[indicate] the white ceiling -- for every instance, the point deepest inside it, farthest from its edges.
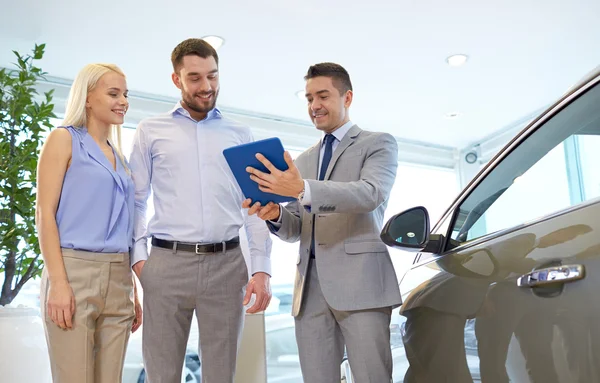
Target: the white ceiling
(523, 53)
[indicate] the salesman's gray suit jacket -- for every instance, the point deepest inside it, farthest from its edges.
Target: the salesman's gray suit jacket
(354, 266)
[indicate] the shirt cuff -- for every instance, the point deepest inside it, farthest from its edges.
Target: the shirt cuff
(260, 264)
(306, 198)
(277, 224)
(139, 252)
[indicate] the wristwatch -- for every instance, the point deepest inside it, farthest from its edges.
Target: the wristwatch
(301, 195)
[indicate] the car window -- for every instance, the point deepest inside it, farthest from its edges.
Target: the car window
(552, 169)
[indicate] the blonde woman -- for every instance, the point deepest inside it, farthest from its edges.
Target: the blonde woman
(85, 207)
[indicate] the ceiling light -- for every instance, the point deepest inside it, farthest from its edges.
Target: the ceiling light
(215, 41)
(452, 115)
(301, 94)
(457, 60)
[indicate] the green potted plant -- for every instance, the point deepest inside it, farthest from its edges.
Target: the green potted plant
(24, 122)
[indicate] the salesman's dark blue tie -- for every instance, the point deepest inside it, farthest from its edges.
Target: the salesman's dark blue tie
(329, 138)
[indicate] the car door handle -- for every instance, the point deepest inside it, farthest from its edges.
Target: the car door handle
(550, 275)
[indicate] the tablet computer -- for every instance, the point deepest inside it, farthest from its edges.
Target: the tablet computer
(241, 156)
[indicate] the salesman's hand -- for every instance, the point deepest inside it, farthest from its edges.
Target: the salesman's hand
(270, 212)
(259, 284)
(137, 268)
(287, 183)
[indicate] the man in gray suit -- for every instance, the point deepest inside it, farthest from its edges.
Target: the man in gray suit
(345, 286)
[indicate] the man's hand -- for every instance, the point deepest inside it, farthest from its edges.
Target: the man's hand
(270, 212)
(260, 285)
(137, 268)
(287, 183)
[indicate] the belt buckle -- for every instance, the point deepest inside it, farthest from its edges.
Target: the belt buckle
(197, 249)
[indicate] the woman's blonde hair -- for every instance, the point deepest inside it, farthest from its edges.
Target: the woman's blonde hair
(75, 113)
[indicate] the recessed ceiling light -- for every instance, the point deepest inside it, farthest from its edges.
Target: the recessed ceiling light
(301, 94)
(457, 60)
(452, 115)
(215, 41)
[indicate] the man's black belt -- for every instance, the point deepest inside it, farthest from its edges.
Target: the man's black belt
(198, 248)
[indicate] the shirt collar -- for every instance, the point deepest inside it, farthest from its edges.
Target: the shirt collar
(214, 113)
(340, 132)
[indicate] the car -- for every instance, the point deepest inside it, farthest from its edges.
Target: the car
(400, 363)
(504, 286)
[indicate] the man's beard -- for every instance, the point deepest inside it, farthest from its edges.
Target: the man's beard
(192, 103)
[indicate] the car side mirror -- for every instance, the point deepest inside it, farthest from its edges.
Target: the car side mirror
(407, 230)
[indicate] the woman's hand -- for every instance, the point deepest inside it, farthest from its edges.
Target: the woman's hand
(137, 321)
(61, 304)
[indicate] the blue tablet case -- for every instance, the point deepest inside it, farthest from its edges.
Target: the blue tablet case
(241, 156)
